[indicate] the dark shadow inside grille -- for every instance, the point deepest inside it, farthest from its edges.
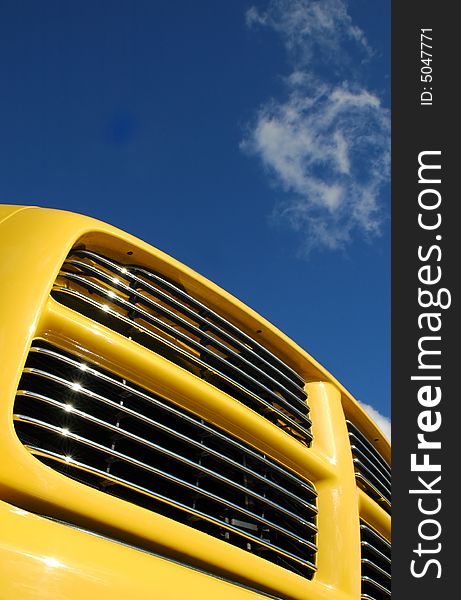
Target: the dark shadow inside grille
(143, 306)
(112, 435)
(376, 564)
(372, 472)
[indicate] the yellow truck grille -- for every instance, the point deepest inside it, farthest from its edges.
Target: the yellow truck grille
(159, 314)
(372, 472)
(110, 434)
(376, 565)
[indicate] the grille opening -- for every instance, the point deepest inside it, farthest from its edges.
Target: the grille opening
(376, 564)
(158, 314)
(110, 434)
(372, 472)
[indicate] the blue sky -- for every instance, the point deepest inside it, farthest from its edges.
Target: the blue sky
(247, 139)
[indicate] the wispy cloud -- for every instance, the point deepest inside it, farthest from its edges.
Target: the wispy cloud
(310, 27)
(384, 423)
(326, 144)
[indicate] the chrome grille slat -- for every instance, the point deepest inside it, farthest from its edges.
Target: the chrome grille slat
(375, 539)
(372, 472)
(377, 586)
(238, 337)
(369, 563)
(270, 408)
(376, 564)
(118, 480)
(183, 337)
(364, 458)
(372, 491)
(370, 476)
(128, 459)
(376, 552)
(127, 434)
(304, 486)
(215, 349)
(295, 389)
(367, 448)
(97, 428)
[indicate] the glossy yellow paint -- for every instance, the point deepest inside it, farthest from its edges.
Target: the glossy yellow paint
(41, 559)
(34, 242)
(378, 519)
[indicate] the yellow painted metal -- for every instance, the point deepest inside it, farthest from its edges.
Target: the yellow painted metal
(34, 243)
(41, 559)
(374, 515)
(64, 327)
(338, 538)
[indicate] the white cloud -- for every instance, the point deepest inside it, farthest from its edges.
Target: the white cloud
(326, 144)
(384, 423)
(310, 27)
